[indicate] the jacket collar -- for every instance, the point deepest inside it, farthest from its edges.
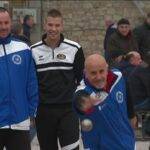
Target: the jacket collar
(5, 40)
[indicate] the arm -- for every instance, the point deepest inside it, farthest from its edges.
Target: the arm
(79, 65)
(32, 87)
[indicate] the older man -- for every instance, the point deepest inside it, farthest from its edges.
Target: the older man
(18, 88)
(100, 102)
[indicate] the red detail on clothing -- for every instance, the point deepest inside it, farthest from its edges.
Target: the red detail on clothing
(111, 78)
(89, 111)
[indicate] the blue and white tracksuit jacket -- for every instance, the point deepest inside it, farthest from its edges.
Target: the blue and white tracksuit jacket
(110, 128)
(18, 85)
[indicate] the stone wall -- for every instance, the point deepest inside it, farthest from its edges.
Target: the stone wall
(84, 20)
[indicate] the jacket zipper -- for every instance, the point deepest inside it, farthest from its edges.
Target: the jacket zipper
(53, 53)
(8, 73)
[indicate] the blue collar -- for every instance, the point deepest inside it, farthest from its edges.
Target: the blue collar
(5, 40)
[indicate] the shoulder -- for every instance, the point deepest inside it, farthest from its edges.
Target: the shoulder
(36, 45)
(18, 44)
(71, 43)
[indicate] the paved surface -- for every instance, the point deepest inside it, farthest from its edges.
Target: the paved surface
(139, 145)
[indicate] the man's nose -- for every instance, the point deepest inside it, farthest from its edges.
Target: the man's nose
(98, 76)
(53, 28)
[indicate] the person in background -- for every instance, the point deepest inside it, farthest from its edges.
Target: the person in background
(60, 64)
(129, 62)
(100, 103)
(111, 27)
(122, 39)
(139, 85)
(17, 32)
(18, 88)
(142, 35)
(28, 23)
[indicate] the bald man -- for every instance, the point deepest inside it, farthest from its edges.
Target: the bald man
(100, 102)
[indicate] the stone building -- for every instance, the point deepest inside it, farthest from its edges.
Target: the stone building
(83, 20)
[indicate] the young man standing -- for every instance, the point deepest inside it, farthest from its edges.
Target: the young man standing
(18, 88)
(60, 64)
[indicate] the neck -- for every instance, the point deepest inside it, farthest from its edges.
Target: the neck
(52, 43)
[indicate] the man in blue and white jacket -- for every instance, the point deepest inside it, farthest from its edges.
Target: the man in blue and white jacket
(18, 88)
(100, 102)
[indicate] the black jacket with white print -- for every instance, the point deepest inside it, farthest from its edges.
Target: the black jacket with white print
(59, 70)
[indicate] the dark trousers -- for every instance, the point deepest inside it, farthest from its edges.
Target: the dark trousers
(14, 139)
(55, 122)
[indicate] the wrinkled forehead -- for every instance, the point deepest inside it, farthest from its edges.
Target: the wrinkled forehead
(98, 66)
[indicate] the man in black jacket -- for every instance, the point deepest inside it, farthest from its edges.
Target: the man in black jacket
(60, 64)
(139, 85)
(122, 40)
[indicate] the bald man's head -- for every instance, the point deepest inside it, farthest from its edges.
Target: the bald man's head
(94, 60)
(96, 70)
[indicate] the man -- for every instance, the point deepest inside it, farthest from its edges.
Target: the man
(139, 91)
(28, 23)
(60, 64)
(122, 39)
(111, 27)
(134, 58)
(105, 124)
(18, 88)
(139, 85)
(142, 34)
(17, 32)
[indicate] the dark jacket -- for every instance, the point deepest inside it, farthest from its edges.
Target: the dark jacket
(122, 43)
(142, 35)
(59, 70)
(139, 84)
(110, 30)
(26, 30)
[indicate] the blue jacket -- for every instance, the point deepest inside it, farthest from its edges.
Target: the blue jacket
(18, 83)
(110, 128)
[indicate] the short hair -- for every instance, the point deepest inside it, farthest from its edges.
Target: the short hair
(16, 28)
(123, 21)
(26, 18)
(80, 101)
(2, 9)
(54, 13)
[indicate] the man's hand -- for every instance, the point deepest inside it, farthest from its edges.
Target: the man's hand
(32, 122)
(133, 122)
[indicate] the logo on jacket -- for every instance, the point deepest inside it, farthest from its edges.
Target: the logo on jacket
(86, 125)
(16, 59)
(61, 56)
(41, 58)
(119, 96)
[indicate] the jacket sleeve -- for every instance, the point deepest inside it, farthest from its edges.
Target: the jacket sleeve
(79, 65)
(130, 107)
(32, 87)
